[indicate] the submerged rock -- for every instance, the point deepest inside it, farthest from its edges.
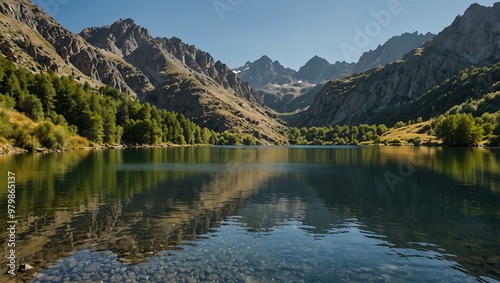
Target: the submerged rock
(24, 267)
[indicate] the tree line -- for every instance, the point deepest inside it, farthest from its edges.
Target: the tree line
(458, 129)
(463, 129)
(336, 135)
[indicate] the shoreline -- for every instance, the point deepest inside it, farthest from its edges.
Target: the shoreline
(11, 150)
(6, 150)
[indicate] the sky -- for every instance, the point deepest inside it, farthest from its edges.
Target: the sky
(290, 31)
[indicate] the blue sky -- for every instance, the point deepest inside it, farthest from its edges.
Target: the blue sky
(290, 31)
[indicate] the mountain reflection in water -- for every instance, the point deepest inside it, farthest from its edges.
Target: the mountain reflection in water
(314, 214)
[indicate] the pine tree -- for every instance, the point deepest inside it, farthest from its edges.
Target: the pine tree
(42, 87)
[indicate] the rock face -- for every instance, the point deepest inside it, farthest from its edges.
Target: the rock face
(185, 79)
(166, 72)
(154, 56)
(71, 51)
(472, 39)
(391, 51)
(318, 70)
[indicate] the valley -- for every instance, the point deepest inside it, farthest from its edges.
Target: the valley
(312, 168)
(411, 77)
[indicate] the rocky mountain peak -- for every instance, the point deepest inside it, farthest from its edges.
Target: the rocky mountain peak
(394, 49)
(315, 62)
(264, 71)
(480, 23)
(318, 70)
(471, 40)
(121, 38)
(265, 58)
(165, 72)
(48, 45)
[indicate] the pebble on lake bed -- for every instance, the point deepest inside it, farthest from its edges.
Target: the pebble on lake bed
(23, 267)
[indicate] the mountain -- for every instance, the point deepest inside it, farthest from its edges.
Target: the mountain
(278, 86)
(472, 39)
(305, 99)
(278, 97)
(263, 72)
(185, 79)
(32, 39)
(165, 72)
(318, 70)
(394, 49)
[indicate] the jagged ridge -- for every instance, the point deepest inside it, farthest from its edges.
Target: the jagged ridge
(472, 39)
(166, 72)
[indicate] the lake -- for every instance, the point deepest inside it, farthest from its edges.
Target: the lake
(256, 214)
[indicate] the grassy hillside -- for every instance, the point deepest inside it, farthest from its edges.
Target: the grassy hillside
(19, 133)
(411, 133)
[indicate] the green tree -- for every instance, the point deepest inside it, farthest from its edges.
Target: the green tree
(5, 125)
(495, 141)
(24, 138)
(206, 136)
(90, 125)
(399, 124)
(31, 106)
(10, 86)
(142, 132)
(459, 130)
(42, 87)
(249, 140)
(7, 101)
(231, 138)
(467, 132)
(50, 136)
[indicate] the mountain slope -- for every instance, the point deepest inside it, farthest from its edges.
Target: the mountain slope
(35, 40)
(187, 80)
(472, 39)
(394, 49)
(165, 72)
(474, 90)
